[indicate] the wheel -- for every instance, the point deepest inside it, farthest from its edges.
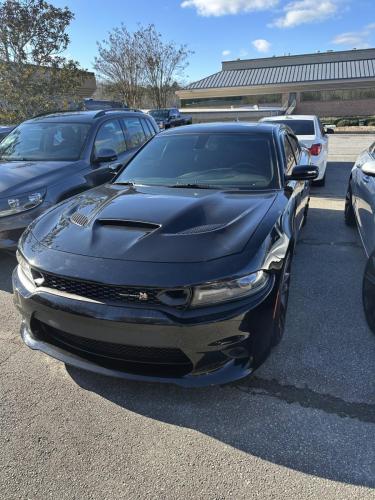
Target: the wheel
(368, 292)
(282, 301)
(320, 182)
(349, 211)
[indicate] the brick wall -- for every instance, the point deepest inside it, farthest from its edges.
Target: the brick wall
(361, 107)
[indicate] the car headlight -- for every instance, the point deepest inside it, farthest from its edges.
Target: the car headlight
(35, 277)
(17, 204)
(223, 291)
(25, 267)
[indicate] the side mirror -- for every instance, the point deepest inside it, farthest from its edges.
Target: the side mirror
(368, 168)
(303, 173)
(105, 155)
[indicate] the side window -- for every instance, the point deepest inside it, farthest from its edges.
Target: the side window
(289, 154)
(295, 147)
(322, 131)
(110, 136)
(147, 129)
(135, 135)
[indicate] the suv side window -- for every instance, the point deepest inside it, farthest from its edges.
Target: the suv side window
(110, 136)
(289, 154)
(135, 135)
(149, 131)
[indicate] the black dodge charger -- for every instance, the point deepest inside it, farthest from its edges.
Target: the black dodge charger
(178, 270)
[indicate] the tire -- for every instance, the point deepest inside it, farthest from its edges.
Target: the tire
(368, 293)
(349, 211)
(282, 301)
(320, 182)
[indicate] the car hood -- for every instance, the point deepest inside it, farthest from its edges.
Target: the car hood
(18, 177)
(154, 224)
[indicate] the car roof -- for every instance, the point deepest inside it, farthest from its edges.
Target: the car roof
(84, 116)
(289, 117)
(223, 127)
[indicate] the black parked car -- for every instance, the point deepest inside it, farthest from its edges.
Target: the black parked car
(52, 157)
(170, 117)
(179, 269)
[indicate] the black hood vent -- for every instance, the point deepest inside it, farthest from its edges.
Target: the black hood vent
(129, 224)
(79, 219)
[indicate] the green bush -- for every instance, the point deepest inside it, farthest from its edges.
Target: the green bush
(347, 122)
(8, 118)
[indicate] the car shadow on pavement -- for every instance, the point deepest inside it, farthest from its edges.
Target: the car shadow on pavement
(7, 263)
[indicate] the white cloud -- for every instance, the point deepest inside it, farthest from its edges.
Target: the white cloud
(223, 7)
(306, 11)
(261, 45)
(225, 53)
(357, 39)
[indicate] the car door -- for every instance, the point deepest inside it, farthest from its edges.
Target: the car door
(110, 136)
(364, 202)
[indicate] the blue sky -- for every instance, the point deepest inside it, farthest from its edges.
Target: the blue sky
(227, 29)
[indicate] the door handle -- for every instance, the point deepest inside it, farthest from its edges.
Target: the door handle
(366, 179)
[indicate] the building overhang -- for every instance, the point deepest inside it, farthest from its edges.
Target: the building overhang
(275, 89)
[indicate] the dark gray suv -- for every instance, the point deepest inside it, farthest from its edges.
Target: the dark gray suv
(52, 157)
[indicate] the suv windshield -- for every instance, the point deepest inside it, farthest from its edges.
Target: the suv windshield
(159, 114)
(299, 127)
(228, 160)
(45, 141)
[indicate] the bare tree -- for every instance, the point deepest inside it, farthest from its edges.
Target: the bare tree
(119, 63)
(163, 63)
(34, 76)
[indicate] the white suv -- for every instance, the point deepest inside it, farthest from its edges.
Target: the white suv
(310, 133)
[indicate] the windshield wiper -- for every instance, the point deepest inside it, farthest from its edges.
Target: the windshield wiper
(193, 186)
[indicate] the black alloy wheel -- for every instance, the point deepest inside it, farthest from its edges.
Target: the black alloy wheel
(349, 211)
(282, 301)
(368, 292)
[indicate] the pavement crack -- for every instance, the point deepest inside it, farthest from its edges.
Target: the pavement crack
(3, 361)
(308, 398)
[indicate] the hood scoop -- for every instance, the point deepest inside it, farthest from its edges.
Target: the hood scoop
(129, 224)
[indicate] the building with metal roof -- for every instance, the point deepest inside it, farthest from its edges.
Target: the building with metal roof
(329, 83)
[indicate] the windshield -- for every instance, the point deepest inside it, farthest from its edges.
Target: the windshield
(159, 114)
(45, 141)
(242, 161)
(299, 127)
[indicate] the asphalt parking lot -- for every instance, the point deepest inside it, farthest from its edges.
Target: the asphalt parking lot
(303, 427)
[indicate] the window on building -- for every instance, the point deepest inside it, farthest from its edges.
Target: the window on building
(338, 95)
(236, 101)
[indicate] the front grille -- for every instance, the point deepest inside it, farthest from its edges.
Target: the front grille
(101, 292)
(119, 352)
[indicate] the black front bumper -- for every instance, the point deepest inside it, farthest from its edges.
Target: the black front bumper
(146, 344)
